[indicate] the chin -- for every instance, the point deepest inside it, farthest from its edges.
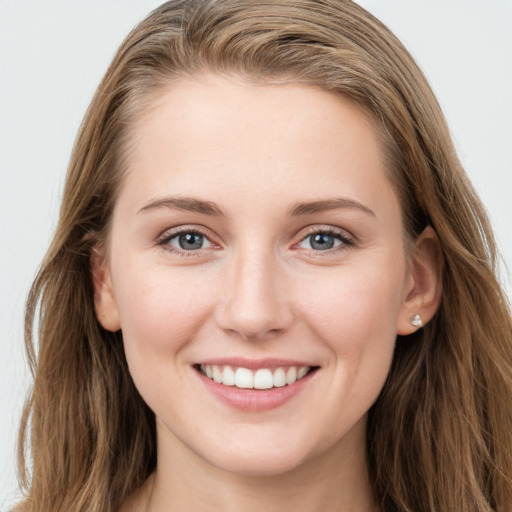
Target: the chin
(265, 459)
(261, 466)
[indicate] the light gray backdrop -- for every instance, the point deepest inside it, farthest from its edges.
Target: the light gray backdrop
(53, 54)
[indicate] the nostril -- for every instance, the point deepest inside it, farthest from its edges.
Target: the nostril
(254, 322)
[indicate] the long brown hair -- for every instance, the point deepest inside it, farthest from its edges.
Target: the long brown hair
(440, 434)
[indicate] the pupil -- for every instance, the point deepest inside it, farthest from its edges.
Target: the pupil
(322, 241)
(191, 241)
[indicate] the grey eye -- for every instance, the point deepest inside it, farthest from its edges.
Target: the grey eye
(189, 241)
(320, 242)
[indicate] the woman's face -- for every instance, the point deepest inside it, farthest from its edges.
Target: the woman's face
(256, 237)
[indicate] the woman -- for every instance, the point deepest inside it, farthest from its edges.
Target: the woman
(271, 284)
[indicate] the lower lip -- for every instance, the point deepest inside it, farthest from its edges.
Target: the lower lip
(255, 400)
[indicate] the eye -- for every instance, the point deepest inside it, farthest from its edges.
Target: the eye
(325, 240)
(186, 241)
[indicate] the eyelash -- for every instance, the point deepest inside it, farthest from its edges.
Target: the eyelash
(165, 239)
(347, 240)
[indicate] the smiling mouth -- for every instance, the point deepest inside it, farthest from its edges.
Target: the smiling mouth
(262, 378)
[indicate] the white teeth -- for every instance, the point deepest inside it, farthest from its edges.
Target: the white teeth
(228, 376)
(301, 372)
(217, 374)
(279, 378)
(291, 375)
(243, 378)
(262, 378)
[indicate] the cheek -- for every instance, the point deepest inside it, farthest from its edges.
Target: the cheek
(355, 316)
(356, 306)
(160, 309)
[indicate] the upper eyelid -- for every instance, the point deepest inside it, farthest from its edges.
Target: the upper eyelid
(303, 233)
(192, 228)
(163, 241)
(326, 228)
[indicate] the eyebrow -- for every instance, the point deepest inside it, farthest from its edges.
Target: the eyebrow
(328, 204)
(191, 204)
(188, 204)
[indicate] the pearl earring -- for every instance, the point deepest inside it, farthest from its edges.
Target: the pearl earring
(416, 321)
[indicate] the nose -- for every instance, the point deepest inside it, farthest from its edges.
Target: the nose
(253, 302)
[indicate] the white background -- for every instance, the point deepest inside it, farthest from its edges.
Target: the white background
(53, 54)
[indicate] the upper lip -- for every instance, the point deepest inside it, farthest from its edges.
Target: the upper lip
(253, 364)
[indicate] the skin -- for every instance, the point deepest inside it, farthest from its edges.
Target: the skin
(258, 288)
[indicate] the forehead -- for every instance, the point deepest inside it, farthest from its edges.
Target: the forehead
(203, 102)
(207, 133)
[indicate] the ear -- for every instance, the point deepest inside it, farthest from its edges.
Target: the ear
(104, 299)
(424, 283)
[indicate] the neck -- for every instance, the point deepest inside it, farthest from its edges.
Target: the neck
(336, 479)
